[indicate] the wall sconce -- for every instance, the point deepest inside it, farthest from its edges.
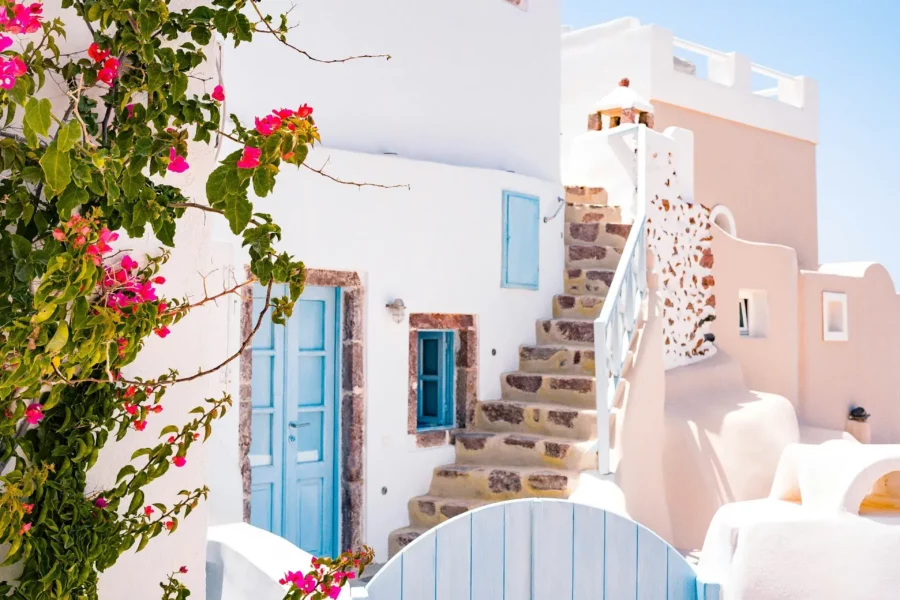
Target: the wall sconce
(397, 309)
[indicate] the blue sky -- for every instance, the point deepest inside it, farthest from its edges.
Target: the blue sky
(853, 50)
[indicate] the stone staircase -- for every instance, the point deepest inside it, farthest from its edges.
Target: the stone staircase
(537, 438)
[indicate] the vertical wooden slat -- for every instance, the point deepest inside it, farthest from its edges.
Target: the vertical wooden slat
(652, 567)
(621, 558)
(708, 591)
(387, 584)
(553, 536)
(487, 553)
(682, 579)
(590, 532)
(418, 569)
(454, 559)
(517, 555)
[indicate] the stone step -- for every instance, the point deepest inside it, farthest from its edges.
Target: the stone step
(586, 195)
(592, 213)
(571, 390)
(569, 332)
(567, 306)
(428, 511)
(524, 450)
(594, 282)
(517, 416)
(401, 538)
(556, 359)
(595, 256)
(496, 483)
(608, 234)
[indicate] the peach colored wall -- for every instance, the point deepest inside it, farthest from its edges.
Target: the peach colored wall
(861, 371)
(769, 363)
(768, 180)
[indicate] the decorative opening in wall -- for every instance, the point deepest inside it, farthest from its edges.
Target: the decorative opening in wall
(721, 216)
(834, 317)
(521, 4)
(435, 380)
(753, 313)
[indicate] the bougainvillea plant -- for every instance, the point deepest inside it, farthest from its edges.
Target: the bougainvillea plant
(327, 577)
(76, 172)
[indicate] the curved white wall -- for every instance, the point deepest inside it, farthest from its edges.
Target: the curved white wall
(470, 82)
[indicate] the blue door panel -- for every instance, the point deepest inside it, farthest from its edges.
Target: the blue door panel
(521, 247)
(302, 470)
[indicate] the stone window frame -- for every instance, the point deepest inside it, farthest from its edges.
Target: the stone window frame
(352, 399)
(466, 386)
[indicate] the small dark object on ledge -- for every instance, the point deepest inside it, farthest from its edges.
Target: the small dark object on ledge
(709, 337)
(859, 414)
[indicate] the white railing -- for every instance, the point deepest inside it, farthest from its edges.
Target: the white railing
(615, 327)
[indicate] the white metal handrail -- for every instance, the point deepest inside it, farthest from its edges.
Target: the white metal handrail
(615, 326)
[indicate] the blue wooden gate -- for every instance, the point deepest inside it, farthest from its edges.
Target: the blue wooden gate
(292, 451)
(538, 549)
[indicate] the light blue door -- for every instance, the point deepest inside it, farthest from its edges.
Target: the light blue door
(521, 239)
(294, 422)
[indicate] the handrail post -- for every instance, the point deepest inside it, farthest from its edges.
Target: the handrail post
(601, 385)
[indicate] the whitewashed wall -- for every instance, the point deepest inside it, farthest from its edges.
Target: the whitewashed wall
(438, 247)
(471, 82)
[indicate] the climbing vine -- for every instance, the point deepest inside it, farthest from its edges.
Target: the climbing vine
(88, 142)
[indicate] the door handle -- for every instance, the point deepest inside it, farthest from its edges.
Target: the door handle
(294, 425)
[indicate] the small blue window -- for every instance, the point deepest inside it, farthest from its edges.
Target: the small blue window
(521, 249)
(435, 380)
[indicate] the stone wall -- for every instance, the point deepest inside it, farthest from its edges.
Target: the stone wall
(679, 238)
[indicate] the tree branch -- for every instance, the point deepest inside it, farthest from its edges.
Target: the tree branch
(278, 36)
(321, 171)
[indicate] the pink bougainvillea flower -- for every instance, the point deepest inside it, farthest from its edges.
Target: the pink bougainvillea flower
(148, 510)
(106, 236)
(24, 529)
(196, 436)
(96, 53)
(268, 125)
(140, 425)
(10, 70)
(25, 19)
(101, 502)
(5, 42)
(34, 413)
(171, 439)
(145, 291)
(28, 508)
(250, 158)
(284, 113)
(288, 156)
(130, 391)
(159, 280)
(130, 408)
(162, 331)
(109, 72)
(58, 235)
(291, 577)
(130, 109)
(129, 263)
(304, 111)
(169, 525)
(179, 461)
(182, 570)
(177, 164)
(218, 93)
(161, 308)
(157, 409)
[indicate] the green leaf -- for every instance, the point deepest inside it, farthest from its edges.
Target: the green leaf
(238, 211)
(57, 168)
(143, 146)
(164, 228)
(59, 338)
(137, 501)
(37, 115)
(178, 85)
(264, 180)
(125, 471)
(69, 134)
(21, 247)
(72, 197)
(217, 184)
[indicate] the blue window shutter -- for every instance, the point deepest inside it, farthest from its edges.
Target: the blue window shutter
(435, 379)
(521, 244)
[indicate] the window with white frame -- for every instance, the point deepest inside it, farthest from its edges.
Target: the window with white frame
(835, 327)
(753, 313)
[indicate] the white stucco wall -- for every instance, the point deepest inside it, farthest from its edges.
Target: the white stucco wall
(595, 58)
(437, 246)
(472, 82)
